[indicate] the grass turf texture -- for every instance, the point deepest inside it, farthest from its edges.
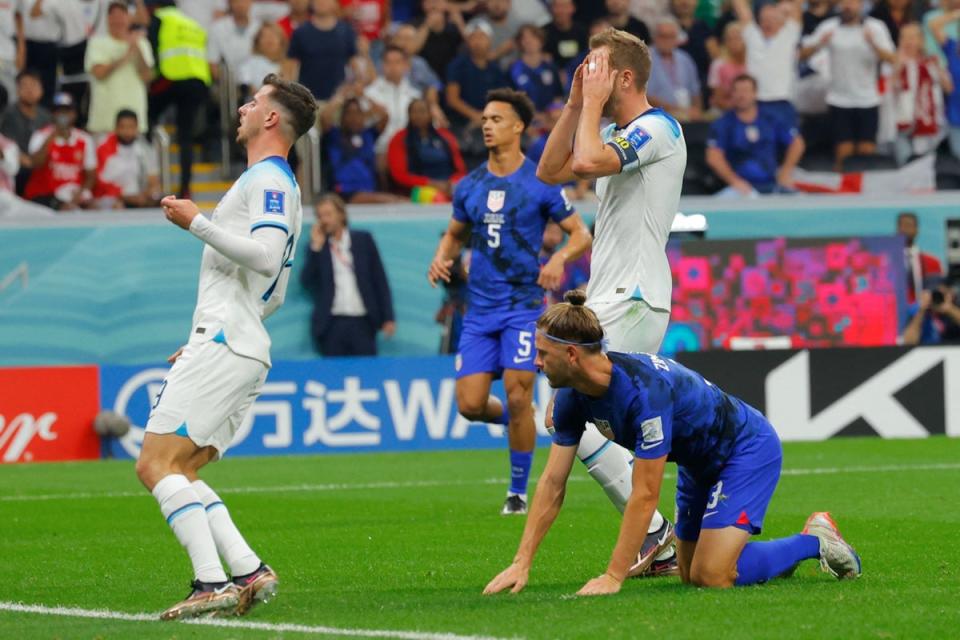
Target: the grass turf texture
(416, 557)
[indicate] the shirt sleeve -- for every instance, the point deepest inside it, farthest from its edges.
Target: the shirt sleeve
(785, 135)
(717, 137)
(269, 197)
(37, 140)
(95, 55)
(556, 204)
(569, 419)
(89, 154)
(460, 213)
(640, 144)
(882, 35)
(654, 433)
(261, 251)
(294, 51)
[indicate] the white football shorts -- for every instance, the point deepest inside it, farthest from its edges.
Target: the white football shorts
(206, 395)
(631, 326)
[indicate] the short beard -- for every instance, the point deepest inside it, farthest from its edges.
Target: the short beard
(610, 106)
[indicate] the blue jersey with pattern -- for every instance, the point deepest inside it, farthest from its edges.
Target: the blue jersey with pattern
(507, 216)
(655, 407)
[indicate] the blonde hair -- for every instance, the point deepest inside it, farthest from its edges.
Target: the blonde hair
(573, 323)
(627, 51)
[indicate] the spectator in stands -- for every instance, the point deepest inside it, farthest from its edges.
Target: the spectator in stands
(393, 93)
(950, 28)
(24, 117)
(13, 50)
(204, 12)
(439, 34)
(269, 52)
(596, 27)
(576, 273)
(421, 74)
(895, 14)
(183, 78)
(731, 63)
(345, 277)
(349, 148)
(951, 54)
(618, 15)
(919, 265)
(696, 36)
(120, 64)
(9, 168)
(532, 72)
(230, 39)
(299, 13)
(64, 161)
(856, 46)
(935, 318)
(772, 54)
(566, 38)
(74, 28)
(471, 75)
(423, 155)
(127, 172)
(503, 31)
(745, 143)
(577, 189)
(816, 12)
(320, 50)
(367, 17)
(918, 84)
(42, 34)
(674, 82)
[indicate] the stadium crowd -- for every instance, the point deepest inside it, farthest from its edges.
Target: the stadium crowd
(760, 88)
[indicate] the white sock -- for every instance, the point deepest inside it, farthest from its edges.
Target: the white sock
(609, 464)
(184, 512)
(235, 551)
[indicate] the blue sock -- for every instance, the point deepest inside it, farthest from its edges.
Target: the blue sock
(504, 419)
(762, 561)
(520, 463)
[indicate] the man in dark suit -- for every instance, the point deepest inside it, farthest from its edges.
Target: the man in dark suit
(345, 277)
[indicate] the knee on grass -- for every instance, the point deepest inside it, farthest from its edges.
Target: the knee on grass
(710, 578)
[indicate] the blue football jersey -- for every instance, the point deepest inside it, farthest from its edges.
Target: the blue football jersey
(655, 407)
(507, 216)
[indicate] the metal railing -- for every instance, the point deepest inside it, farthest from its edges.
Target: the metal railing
(161, 146)
(229, 99)
(308, 152)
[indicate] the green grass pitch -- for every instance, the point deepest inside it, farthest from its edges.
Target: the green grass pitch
(406, 542)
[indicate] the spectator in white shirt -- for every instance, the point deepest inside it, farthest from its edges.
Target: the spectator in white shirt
(127, 171)
(393, 92)
(856, 46)
(772, 54)
(230, 40)
(12, 47)
(10, 204)
(269, 52)
(120, 64)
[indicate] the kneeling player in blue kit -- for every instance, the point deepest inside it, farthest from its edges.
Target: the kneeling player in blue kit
(728, 458)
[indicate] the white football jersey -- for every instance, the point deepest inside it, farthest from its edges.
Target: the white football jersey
(233, 301)
(637, 207)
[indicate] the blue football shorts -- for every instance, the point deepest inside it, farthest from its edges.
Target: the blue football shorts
(492, 342)
(741, 493)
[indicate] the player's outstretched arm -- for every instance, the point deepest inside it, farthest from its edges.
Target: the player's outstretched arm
(546, 505)
(447, 251)
(555, 163)
(259, 252)
(646, 481)
(591, 157)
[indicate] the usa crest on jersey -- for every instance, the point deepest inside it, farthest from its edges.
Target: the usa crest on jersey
(495, 200)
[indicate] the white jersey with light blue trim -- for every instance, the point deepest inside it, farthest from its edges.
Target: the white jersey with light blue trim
(637, 207)
(233, 301)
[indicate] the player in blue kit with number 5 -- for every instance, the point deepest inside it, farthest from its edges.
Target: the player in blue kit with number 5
(728, 463)
(500, 211)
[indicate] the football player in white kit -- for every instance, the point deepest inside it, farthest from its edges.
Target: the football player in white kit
(250, 240)
(638, 161)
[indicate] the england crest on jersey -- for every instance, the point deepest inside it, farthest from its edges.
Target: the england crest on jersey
(495, 200)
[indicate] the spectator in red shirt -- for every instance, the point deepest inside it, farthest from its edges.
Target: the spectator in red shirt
(368, 17)
(64, 161)
(423, 155)
(299, 13)
(127, 171)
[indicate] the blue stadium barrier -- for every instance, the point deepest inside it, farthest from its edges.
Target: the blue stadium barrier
(120, 287)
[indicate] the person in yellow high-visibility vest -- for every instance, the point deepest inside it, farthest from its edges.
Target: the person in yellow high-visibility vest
(180, 48)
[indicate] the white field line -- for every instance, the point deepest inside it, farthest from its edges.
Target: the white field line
(416, 484)
(102, 614)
